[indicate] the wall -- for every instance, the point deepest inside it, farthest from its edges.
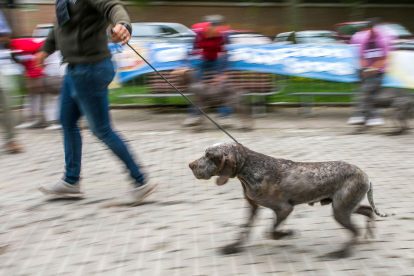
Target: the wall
(270, 20)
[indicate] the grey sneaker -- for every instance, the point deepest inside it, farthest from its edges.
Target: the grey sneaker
(356, 120)
(375, 122)
(61, 188)
(142, 192)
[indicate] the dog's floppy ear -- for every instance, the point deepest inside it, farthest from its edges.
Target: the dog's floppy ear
(227, 169)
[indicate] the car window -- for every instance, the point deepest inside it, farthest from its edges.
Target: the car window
(394, 28)
(249, 39)
(182, 29)
(315, 38)
(281, 38)
(144, 30)
(168, 30)
(43, 32)
(349, 29)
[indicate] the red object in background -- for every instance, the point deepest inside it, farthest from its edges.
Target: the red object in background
(209, 47)
(204, 25)
(27, 45)
(27, 48)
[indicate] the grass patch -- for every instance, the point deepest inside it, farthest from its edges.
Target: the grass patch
(292, 85)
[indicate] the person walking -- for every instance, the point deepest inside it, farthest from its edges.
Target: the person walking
(374, 48)
(80, 34)
(11, 145)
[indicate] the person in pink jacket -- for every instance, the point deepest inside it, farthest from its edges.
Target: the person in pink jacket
(374, 47)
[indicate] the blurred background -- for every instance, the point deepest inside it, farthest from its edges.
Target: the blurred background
(299, 75)
(276, 22)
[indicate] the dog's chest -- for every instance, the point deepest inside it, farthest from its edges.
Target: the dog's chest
(264, 194)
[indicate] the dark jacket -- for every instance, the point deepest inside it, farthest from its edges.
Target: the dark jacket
(83, 38)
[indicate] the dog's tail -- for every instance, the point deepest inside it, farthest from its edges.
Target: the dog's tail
(370, 196)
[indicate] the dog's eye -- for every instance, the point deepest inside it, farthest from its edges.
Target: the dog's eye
(207, 156)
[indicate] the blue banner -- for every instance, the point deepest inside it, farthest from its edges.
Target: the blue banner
(334, 63)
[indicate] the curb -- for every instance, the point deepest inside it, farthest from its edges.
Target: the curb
(277, 104)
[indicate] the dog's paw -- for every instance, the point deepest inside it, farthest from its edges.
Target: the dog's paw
(197, 130)
(246, 128)
(395, 133)
(231, 249)
(277, 235)
(341, 254)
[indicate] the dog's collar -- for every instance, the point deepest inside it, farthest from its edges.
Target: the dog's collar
(244, 161)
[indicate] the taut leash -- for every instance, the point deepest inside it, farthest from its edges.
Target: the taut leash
(176, 89)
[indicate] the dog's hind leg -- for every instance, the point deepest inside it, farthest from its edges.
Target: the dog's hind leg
(366, 210)
(344, 203)
(235, 247)
(281, 214)
(402, 109)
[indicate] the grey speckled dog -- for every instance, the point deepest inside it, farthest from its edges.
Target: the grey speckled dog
(281, 184)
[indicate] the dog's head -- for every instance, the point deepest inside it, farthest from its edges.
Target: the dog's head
(222, 160)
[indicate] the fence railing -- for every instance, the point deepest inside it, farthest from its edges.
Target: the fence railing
(282, 89)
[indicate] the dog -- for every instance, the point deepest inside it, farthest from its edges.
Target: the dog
(402, 103)
(281, 184)
(396, 98)
(218, 92)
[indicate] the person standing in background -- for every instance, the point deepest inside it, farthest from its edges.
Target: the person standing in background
(209, 49)
(11, 145)
(374, 49)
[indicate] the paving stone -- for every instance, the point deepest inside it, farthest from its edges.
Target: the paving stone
(181, 228)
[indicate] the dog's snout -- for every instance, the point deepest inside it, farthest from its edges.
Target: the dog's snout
(191, 165)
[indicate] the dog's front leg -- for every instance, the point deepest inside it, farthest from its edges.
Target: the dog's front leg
(282, 212)
(235, 247)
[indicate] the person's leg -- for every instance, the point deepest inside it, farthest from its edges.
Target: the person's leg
(373, 116)
(69, 116)
(358, 115)
(193, 114)
(7, 120)
(11, 145)
(218, 66)
(201, 65)
(91, 85)
(6, 116)
(69, 186)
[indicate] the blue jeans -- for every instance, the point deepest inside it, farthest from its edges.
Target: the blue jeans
(85, 92)
(217, 65)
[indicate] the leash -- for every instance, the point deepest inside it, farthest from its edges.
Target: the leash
(176, 89)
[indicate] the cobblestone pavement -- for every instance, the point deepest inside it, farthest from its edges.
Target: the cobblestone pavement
(180, 228)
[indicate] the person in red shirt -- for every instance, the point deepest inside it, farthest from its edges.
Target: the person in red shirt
(210, 49)
(210, 46)
(34, 78)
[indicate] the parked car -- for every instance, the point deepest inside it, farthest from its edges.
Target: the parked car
(344, 31)
(162, 32)
(247, 37)
(42, 30)
(306, 37)
(31, 43)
